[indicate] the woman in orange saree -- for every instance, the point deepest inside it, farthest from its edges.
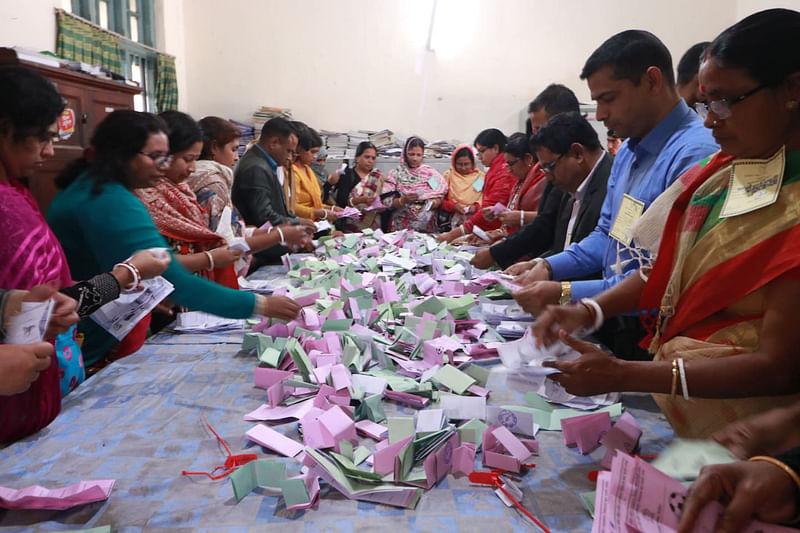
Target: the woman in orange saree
(721, 296)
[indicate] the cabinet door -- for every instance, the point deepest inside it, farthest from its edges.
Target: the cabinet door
(42, 182)
(103, 102)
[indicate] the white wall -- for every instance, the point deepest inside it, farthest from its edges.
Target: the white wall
(28, 23)
(356, 63)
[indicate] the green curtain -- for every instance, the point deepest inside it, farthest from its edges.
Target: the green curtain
(78, 41)
(166, 84)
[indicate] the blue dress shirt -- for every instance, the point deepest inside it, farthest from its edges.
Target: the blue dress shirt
(643, 169)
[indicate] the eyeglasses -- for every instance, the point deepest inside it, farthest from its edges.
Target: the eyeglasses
(512, 163)
(548, 168)
(160, 159)
(722, 107)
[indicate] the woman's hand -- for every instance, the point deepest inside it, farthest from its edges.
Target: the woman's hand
(509, 218)
(451, 235)
(333, 178)
(556, 318)
(768, 433)
(435, 203)
(295, 236)
(65, 310)
(410, 198)
(151, 264)
(488, 214)
(357, 200)
(595, 372)
(748, 489)
(280, 307)
(224, 256)
(21, 364)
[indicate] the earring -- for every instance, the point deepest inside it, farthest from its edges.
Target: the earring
(791, 105)
(715, 123)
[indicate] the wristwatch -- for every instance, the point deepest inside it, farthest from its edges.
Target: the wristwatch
(566, 293)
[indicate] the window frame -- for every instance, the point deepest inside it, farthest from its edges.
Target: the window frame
(119, 15)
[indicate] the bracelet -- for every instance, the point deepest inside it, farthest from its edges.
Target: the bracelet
(262, 305)
(324, 214)
(674, 378)
(684, 386)
(463, 230)
(137, 278)
(599, 318)
(792, 474)
(280, 232)
(521, 218)
(211, 264)
(566, 293)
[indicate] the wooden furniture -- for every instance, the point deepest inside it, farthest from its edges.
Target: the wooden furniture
(91, 99)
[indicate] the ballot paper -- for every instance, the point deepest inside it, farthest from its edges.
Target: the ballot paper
(200, 322)
(636, 497)
(37, 497)
(30, 324)
(120, 316)
(480, 233)
(322, 225)
(494, 313)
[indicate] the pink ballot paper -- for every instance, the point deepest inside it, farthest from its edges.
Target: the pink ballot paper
(636, 497)
(36, 497)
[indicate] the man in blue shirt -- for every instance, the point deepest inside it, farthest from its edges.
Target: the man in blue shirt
(630, 77)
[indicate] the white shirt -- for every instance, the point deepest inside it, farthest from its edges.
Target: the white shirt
(576, 204)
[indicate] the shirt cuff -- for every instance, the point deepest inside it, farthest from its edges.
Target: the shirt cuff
(586, 289)
(559, 264)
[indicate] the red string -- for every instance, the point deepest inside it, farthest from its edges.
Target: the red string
(493, 478)
(231, 463)
(521, 508)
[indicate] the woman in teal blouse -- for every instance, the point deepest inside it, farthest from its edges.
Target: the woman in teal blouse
(100, 222)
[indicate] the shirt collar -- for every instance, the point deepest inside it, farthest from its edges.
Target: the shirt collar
(654, 141)
(271, 161)
(581, 191)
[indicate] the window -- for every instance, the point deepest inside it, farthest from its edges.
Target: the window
(132, 19)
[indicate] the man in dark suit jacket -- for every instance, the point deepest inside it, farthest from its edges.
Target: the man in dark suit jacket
(257, 193)
(581, 178)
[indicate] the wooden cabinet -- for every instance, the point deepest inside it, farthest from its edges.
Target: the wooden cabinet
(91, 99)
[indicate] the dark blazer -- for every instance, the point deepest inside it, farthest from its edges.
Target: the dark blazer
(545, 235)
(256, 191)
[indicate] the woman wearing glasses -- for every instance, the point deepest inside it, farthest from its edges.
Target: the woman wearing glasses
(720, 300)
(100, 222)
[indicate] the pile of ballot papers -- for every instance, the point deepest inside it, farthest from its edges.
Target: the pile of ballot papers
(386, 318)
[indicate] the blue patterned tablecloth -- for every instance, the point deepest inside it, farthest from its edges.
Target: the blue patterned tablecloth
(139, 421)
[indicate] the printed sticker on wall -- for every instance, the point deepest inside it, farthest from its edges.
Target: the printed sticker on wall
(66, 124)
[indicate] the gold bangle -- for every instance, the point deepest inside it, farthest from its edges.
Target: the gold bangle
(789, 471)
(674, 378)
(566, 293)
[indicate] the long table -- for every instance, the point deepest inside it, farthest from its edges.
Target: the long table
(139, 421)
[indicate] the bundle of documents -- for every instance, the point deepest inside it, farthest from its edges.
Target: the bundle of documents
(264, 113)
(200, 322)
(440, 148)
(382, 138)
(248, 134)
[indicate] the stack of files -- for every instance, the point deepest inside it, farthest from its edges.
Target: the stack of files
(382, 138)
(199, 322)
(248, 134)
(336, 143)
(264, 113)
(440, 148)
